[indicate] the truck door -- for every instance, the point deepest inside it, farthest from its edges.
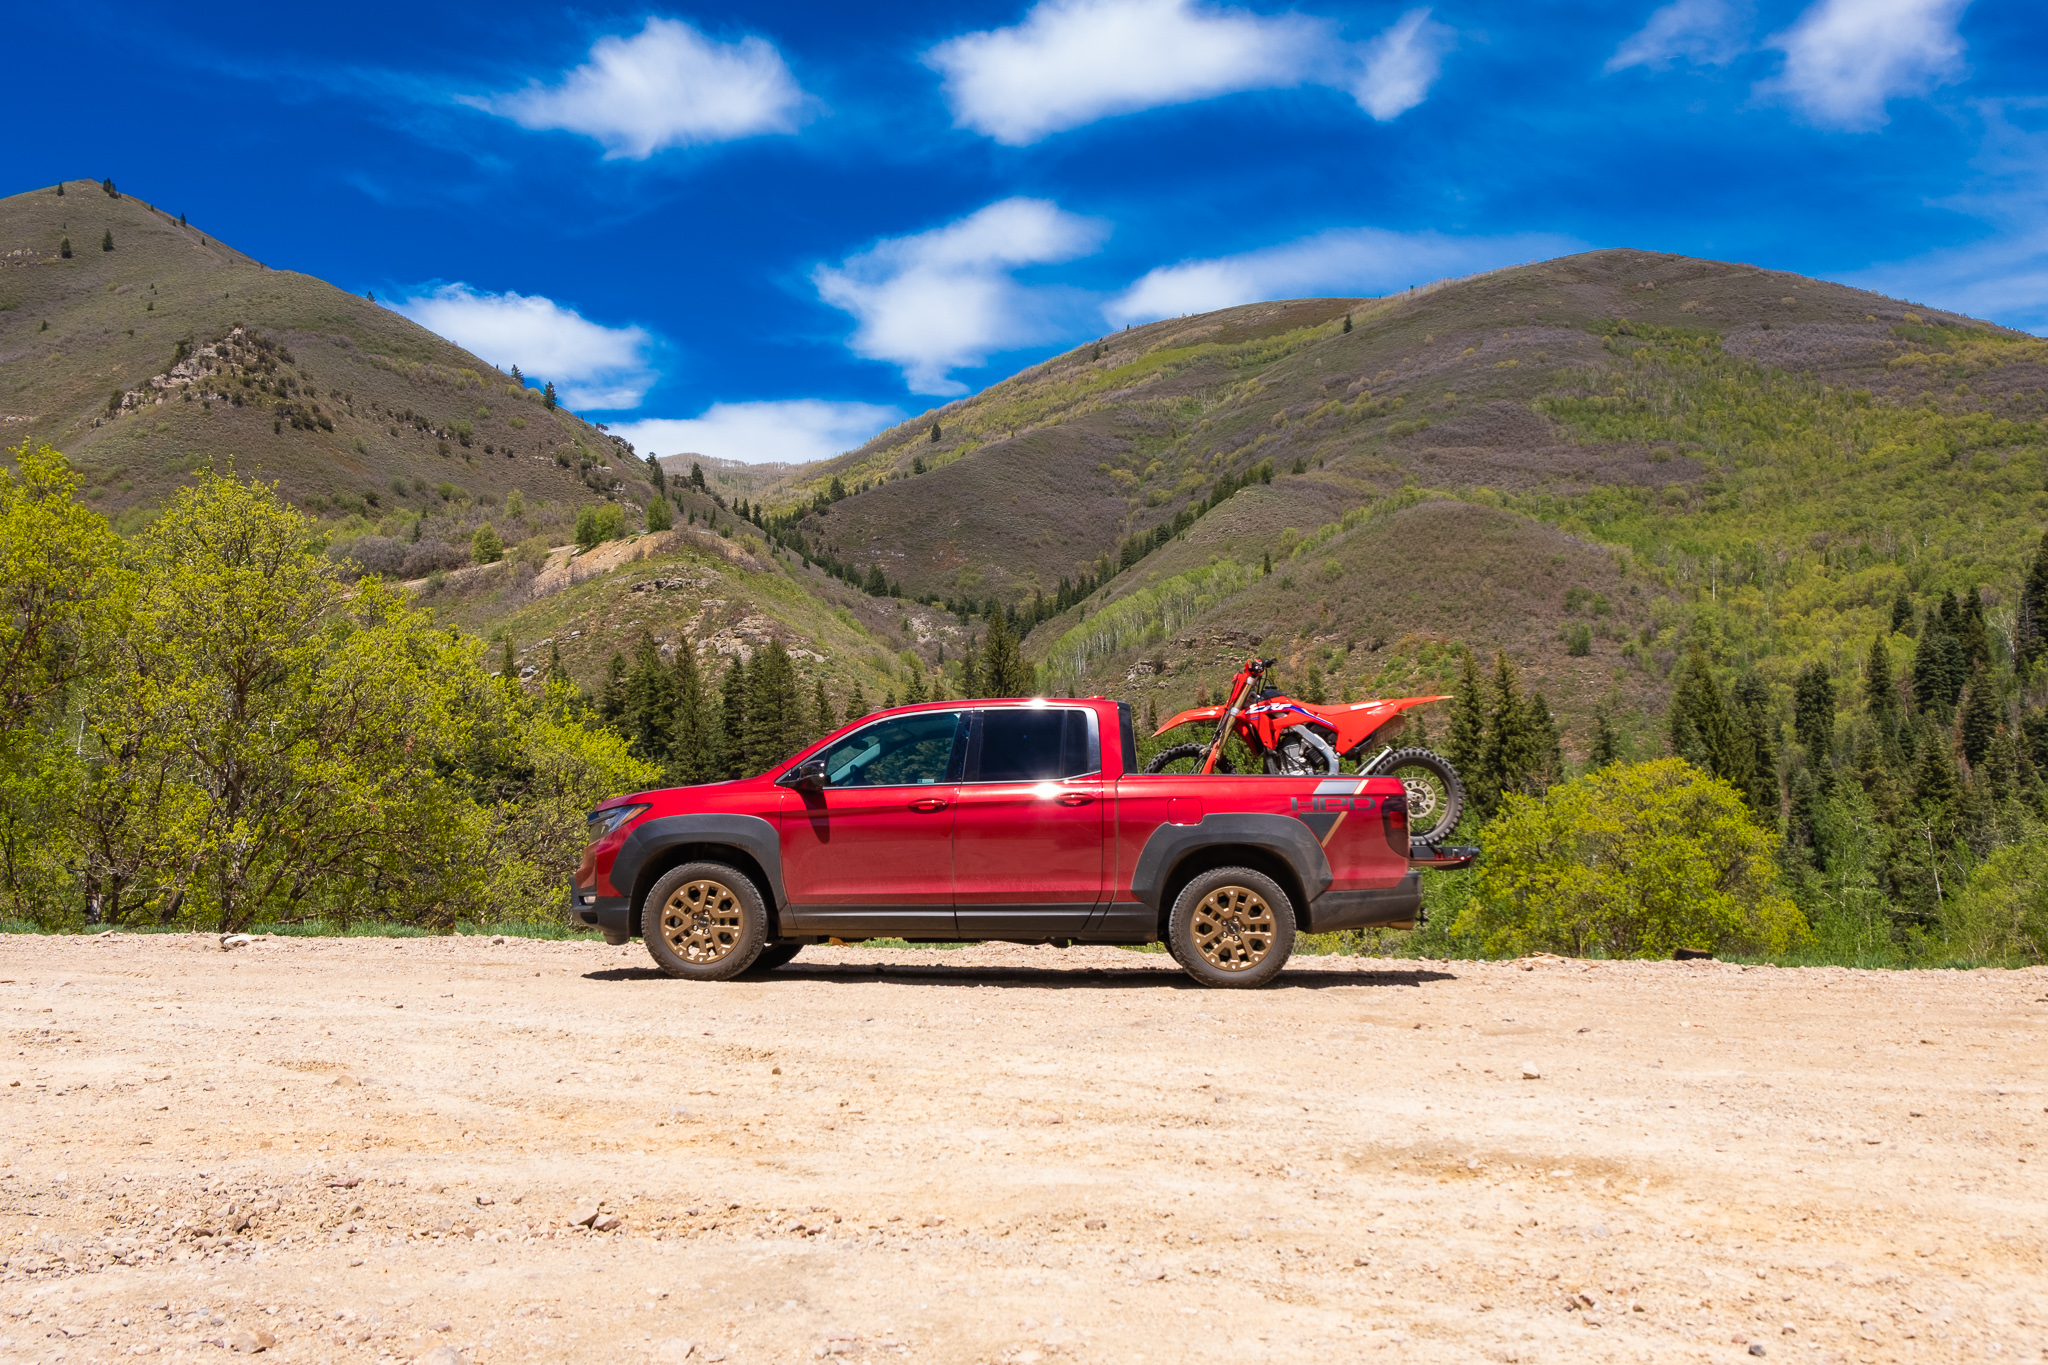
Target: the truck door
(1028, 823)
(872, 854)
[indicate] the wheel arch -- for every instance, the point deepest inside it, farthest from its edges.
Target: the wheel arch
(1281, 847)
(744, 842)
(1212, 856)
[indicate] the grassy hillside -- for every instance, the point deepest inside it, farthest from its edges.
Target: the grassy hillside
(388, 415)
(1707, 451)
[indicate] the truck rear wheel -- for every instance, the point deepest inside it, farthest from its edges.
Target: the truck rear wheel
(1231, 927)
(704, 922)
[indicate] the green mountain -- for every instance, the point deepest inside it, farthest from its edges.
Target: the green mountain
(172, 348)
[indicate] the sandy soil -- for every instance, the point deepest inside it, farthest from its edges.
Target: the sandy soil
(377, 1149)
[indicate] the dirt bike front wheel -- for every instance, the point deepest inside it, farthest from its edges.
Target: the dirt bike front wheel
(1436, 796)
(1186, 758)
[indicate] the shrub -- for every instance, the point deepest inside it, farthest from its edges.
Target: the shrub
(659, 517)
(427, 557)
(2002, 913)
(1631, 861)
(485, 547)
(64, 248)
(1578, 640)
(107, 241)
(596, 525)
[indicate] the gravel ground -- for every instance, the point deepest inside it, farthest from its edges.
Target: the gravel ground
(465, 1150)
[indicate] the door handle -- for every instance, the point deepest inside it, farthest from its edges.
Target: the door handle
(1076, 798)
(929, 803)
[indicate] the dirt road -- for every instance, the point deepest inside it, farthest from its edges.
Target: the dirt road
(372, 1149)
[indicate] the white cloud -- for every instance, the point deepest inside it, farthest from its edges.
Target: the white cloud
(1400, 66)
(2004, 275)
(799, 430)
(591, 365)
(1343, 262)
(1845, 58)
(946, 298)
(1703, 32)
(1071, 62)
(667, 86)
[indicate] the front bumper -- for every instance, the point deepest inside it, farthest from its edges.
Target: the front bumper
(610, 914)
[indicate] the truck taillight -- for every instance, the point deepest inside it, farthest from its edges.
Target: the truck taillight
(1394, 822)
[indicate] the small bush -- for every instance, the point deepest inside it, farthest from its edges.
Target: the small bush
(485, 547)
(1578, 640)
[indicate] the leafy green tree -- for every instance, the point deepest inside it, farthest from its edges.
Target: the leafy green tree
(659, 517)
(485, 547)
(1634, 860)
(2001, 914)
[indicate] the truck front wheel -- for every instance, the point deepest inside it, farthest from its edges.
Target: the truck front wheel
(1231, 927)
(704, 922)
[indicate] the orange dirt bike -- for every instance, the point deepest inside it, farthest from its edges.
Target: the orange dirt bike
(1297, 739)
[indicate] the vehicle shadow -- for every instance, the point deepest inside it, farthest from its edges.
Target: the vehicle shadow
(1163, 977)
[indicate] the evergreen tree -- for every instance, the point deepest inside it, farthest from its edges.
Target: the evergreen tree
(1467, 738)
(1312, 686)
(1940, 667)
(935, 433)
(1703, 730)
(1970, 632)
(1935, 785)
(775, 714)
(648, 704)
(64, 248)
(822, 720)
(696, 476)
(1151, 715)
(518, 378)
(611, 699)
(508, 662)
(1753, 708)
(107, 241)
(1605, 749)
(857, 704)
(691, 756)
(1347, 322)
(107, 187)
(876, 585)
(547, 396)
(1005, 671)
(970, 671)
(1509, 749)
(60, 189)
(1980, 718)
(731, 735)
(1902, 613)
(1804, 826)
(1880, 691)
(913, 688)
(2030, 622)
(558, 672)
(1546, 768)
(1813, 713)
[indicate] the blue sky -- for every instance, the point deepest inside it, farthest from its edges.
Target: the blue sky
(766, 231)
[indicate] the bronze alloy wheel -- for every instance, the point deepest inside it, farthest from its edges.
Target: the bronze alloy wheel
(701, 921)
(1233, 928)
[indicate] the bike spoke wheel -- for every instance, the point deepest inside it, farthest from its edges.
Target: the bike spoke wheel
(1436, 798)
(1183, 759)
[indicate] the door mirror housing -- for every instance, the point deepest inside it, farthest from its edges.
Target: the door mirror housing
(807, 776)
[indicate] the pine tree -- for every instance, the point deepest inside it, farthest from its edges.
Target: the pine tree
(1813, 713)
(107, 241)
(64, 248)
(690, 753)
(1880, 692)
(656, 475)
(822, 719)
(60, 189)
(913, 687)
(647, 711)
(1752, 703)
(107, 187)
(1312, 690)
(935, 433)
(1980, 718)
(1005, 671)
(1151, 715)
(508, 662)
(547, 396)
(775, 720)
(1902, 613)
(876, 585)
(731, 735)
(1935, 786)
(181, 220)
(970, 671)
(1605, 750)
(1347, 322)
(1546, 752)
(696, 476)
(2030, 623)
(1467, 739)
(518, 378)
(558, 672)
(611, 699)
(1703, 731)
(857, 704)
(1804, 827)
(1970, 632)
(1508, 753)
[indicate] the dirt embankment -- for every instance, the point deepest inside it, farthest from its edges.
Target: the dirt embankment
(450, 1150)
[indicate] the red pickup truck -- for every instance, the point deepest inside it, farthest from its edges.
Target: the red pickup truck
(1022, 821)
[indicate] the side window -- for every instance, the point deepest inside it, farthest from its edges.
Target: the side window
(1036, 744)
(907, 751)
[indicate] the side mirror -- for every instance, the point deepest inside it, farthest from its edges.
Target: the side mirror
(807, 776)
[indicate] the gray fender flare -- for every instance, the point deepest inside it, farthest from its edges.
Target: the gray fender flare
(748, 833)
(1281, 835)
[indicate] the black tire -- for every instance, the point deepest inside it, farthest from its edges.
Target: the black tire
(1436, 795)
(775, 955)
(704, 922)
(1180, 752)
(1231, 927)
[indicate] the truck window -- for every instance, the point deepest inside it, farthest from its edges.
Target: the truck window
(1035, 744)
(904, 751)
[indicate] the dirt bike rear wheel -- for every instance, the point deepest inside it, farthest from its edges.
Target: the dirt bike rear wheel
(1436, 796)
(1186, 758)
